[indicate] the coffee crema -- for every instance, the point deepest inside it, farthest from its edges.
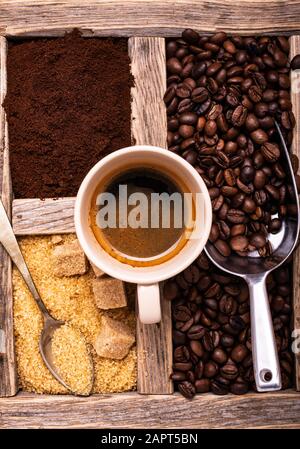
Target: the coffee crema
(140, 217)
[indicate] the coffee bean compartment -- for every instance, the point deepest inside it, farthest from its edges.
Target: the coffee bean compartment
(71, 96)
(224, 94)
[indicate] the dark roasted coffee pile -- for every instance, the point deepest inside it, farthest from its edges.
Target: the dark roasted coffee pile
(223, 97)
(211, 329)
(67, 105)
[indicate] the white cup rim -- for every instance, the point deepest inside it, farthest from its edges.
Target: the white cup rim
(137, 274)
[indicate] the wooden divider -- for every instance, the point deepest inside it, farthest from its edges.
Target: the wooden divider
(295, 93)
(148, 17)
(41, 217)
(149, 126)
(132, 410)
(8, 377)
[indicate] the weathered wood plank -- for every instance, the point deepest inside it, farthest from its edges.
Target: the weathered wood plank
(8, 376)
(295, 93)
(148, 66)
(148, 17)
(149, 126)
(49, 216)
(130, 410)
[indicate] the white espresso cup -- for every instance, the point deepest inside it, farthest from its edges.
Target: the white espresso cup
(147, 278)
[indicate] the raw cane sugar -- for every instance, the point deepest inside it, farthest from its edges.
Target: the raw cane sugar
(69, 299)
(72, 359)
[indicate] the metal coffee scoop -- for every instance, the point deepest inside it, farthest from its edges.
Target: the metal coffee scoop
(254, 270)
(9, 241)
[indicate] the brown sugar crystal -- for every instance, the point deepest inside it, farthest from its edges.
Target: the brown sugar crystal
(72, 360)
(68, 105)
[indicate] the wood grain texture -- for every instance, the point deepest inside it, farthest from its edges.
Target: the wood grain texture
(149, 126)
(42, 217)
(148, 18)
(148, 66)
(131, 410)
(295, 93)
(8, 376)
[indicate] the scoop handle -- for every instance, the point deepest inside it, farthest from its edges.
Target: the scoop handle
(9, 241)
(264, 351)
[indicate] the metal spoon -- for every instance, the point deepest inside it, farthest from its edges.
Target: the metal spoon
(254, 270)
(9, 241)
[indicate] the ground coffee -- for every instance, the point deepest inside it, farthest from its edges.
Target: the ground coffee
(68, 105)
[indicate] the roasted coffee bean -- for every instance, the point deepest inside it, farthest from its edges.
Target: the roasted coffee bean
(196, 332)
(174, 66)
(227, 305)
(275, 225)
(210, 369)
(249, 205)
(199, 366)
(219, 388)
(182, 313)
(191, 274)
(188, 118)
(182, 366)
(207, 342)
(213, 290)
(238, 229)
(178, 376)
(187, 389)
(288, 120)
(199, 95)
(179, 338)
(295, 62)
(210, 128)
(239, 243)
(239, 388)
(238, 353)
(184, 326)
(202, 385)
(258, 240)
(259, 136)
(170, 290)
(227, 341)
(229, 371)
(255, 93)
(222, 247)
(219, 356)
(181, 354)
(237, 323)
(239, 116)
(270, 151)
(190, 36)
(197, 348)
(260, 179)
(247, 174)
(236, 216)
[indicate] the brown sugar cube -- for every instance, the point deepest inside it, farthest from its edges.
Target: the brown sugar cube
(97, 272)
(56, 239)
(109, 293)
(114, 340)
(69, 259)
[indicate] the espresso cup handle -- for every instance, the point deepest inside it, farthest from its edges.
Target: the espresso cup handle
(149, 303)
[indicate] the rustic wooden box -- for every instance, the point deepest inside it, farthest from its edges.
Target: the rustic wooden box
(146, 23)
